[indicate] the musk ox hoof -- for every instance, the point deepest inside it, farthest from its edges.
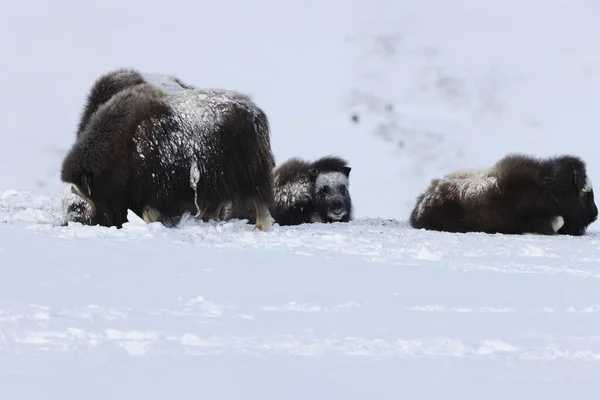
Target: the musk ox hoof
(150, 215)
(264, 225)
(264, 220)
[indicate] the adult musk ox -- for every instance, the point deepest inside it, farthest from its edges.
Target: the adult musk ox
(111, 83)
(305, 192)
(519, 194)
(161, 153)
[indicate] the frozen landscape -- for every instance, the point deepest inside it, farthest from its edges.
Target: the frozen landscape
(373, 309)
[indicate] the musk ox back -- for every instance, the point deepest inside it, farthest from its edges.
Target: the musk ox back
(113, 82)
(306, 192)
(162, 153)
(519, 194)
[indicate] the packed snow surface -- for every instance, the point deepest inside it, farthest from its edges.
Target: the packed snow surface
(369, 309)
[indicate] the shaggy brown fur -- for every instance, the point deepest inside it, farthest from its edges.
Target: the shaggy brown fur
(519, 194)
(161, 154)
(113, 82)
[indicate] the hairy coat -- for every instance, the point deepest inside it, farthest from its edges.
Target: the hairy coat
(111, 83)
(161, 153)
(519, 194)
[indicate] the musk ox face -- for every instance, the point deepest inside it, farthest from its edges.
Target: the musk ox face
(76, 207)
(331, 195)
(84, 200)
(587, 201)
(576, 194)
(585, 213)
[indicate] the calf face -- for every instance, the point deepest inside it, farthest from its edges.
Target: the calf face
(331, 195)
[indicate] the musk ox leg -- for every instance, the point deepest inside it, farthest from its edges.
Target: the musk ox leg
(150, 215)
(211, 212)
(264, 220)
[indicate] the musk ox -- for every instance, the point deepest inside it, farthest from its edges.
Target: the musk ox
(111, 83)
(305, 192)
(162, 153)
(519, 194)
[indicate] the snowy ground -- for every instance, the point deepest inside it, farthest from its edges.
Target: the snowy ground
(366, 310)
(371, 309)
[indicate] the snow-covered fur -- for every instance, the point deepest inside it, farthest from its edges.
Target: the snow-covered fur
(306, 192)
(75, 207)
(111, 83)
(519, 194)
(162, 153)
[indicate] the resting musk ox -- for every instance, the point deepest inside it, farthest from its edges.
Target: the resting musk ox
(519, 194)
(161, 153)
(111, 83)
(305, 192)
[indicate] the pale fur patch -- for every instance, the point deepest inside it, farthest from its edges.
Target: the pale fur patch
(331, 178)
(150, 215)
(588, 186)
(463, 184)
(471, 183)
(336, 217)
(557, 223)
(264, 221)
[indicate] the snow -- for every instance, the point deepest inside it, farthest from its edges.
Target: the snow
(198, 110)
(368, 309)
(75, 207)
(293, 191)
(167, 83)
(406, 91)
(332, 179)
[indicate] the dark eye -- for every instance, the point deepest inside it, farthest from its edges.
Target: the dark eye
(342, 189)
(326, 189)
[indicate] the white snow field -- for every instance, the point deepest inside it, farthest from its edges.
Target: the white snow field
(371, 309)
(367, 310)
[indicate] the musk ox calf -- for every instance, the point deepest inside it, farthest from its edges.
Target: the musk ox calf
(161, 153)
(305, 192)
(519, 194)
(111, 83)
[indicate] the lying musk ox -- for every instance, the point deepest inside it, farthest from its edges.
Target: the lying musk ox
(161, 153)
(305, 192)
(111, 83)
(519, 194)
